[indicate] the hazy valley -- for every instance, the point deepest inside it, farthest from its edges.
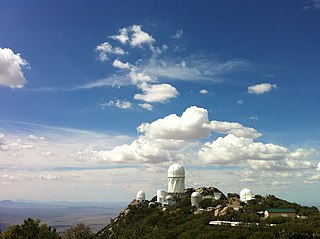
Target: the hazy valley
(60, 215)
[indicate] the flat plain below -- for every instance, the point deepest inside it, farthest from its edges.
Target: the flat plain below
(60, 215)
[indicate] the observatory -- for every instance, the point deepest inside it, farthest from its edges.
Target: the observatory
(246, 195)
(176, 178)
(217, 196)
(169, 201)
(195, 199)
(141, 196)
(161, 195)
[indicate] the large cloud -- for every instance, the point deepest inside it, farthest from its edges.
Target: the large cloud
(193, 124)
(234, 150)
(11, 69)
(188, 126)
(142, 150)
(174, 136)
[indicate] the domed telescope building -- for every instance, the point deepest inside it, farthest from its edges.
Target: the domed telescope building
(141, 196)
(246, 195)
(176, 178)
(196, 198)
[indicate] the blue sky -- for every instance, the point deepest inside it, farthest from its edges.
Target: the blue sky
(98, 98)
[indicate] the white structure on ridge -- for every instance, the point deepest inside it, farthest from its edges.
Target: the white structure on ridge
(169, 201)
(161, 195)
(217, 196)
(196, 198)
(141, 196)
(176, 178)
(246, 195)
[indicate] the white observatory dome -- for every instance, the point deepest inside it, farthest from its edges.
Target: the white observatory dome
(169, 201)
(176, 178)
(195, 199)
(246, 195)
(161, 195)
(141, 196)
(169, 197)
(176, 170)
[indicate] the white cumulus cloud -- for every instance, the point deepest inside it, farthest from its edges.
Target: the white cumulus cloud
(122, 104)
(261, 88)
(134, 35)
(156, 93)
(232, 128)
(203, 91)
(11, 64)
(188, 126)
(118, 64)
(234, 150)
(122, 36)
(146, 106)
(106, 48)
(140, 37)
(142, 150)
(140, 77)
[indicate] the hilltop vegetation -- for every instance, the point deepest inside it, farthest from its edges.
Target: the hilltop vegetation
(183, 221)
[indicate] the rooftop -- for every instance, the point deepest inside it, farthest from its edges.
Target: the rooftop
(280, 210)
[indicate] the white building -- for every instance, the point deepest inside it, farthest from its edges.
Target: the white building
(196, 198)
(176, 178)
(141, 196)
(169, 201)
(217, 196)
(161, 195)
(246, 195)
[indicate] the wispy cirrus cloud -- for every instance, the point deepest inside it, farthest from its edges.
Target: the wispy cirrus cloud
(178, 34)
(155, 73)
(194, 68)
(110, 81)
(312, 5)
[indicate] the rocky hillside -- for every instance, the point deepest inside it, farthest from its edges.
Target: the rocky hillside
(182, 221)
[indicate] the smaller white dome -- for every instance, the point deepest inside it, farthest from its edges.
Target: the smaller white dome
(169, 197)
(141, 196)
(176, 170)
(196, 195)
(196, 198)
(246, 195)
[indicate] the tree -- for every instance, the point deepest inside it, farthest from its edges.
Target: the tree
(30, 229)
(80, 231)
